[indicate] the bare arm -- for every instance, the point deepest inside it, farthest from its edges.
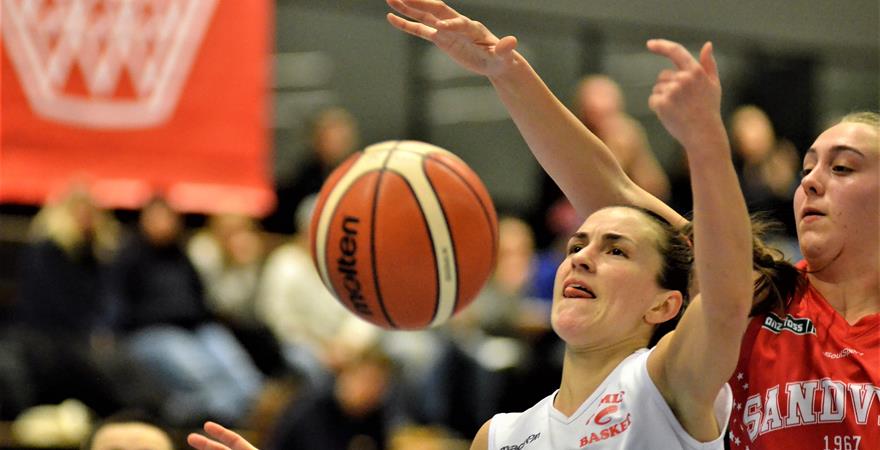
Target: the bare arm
(580, 163)
(481, 440)
(692, 363)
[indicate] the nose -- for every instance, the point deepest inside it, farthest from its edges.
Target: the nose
(583, 259)
(813, 182)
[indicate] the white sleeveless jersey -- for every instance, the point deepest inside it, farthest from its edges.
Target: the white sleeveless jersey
(626, 411)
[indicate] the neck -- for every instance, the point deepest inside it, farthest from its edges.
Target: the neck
(853, 292)
(583, 370)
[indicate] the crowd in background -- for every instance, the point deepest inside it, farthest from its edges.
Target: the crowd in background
(229, 321)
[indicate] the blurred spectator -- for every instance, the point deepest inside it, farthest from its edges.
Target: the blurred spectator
(229, 254)
(170, 332)
(71, 240)
(315, 331)
(767, 166)
(333, 135)
(59, 317)
(425, 438)
(768, 173)
(493, 347)
(538, 363)
(64, 425)
(128, 430)
(505, 306)
(599, 104)
(357, 412)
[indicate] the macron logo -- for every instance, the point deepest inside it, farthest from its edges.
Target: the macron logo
(520, 446)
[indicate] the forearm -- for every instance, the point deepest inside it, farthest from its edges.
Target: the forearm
(702, 353)
(577, 160)
(581, 164)
(722, 232)
(699, 356)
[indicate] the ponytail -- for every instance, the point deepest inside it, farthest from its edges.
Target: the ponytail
(778, 280)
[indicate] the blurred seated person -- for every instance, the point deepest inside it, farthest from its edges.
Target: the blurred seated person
(60, 320)
(506, 305)
(171, 333)
(332, 136)
(425, 438)
(219, 437)
(599, 104)
(357, 411)
(767, 167)
(501, 343)
(228, 255)
(315, 331)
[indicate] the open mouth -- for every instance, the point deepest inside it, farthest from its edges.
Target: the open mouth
(576, 290)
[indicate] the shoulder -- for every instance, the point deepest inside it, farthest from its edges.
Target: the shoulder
(481, 440)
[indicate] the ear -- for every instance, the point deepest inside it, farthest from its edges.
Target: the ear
(666, 306)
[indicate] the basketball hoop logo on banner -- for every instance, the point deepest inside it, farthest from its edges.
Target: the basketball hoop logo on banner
(104, 63)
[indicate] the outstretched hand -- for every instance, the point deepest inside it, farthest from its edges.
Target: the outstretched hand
(221, 438)
(466, 41)
(687, 99)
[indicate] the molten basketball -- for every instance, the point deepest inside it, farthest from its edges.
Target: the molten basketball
(404, 234)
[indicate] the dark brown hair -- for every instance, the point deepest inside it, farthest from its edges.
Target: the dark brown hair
(778, 280)
(677, 257)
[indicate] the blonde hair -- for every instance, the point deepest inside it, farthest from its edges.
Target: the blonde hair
(57, 222)
(866, 117)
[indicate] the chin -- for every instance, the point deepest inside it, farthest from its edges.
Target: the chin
(568, 335)
(818, 254)
(566, 325)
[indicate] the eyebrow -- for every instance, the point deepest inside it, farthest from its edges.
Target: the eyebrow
(608, 237)
(835, 150)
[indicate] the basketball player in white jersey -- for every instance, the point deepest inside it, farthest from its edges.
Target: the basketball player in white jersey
(612, 292)
(807, 375)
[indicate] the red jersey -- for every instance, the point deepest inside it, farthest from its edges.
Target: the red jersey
(808, 380)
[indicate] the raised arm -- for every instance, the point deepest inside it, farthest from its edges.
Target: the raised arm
(582, 166)
(692, 363)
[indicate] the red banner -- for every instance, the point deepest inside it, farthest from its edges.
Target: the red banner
(139, 97)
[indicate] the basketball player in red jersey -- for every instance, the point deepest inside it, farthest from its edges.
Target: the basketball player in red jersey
(808, 376)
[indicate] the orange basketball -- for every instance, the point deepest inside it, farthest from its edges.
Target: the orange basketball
(404, 234)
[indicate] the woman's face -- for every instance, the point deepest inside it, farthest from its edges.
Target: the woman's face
(754, 135)
(608, 279)
(836, 206)
(161, 224)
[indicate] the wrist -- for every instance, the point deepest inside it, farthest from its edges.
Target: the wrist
(711, 140)
(510, 73)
